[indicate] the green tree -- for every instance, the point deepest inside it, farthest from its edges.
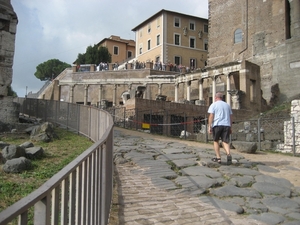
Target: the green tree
(11, 92)
(104, 55)
(94, 55)
(80, 59)
(91, 55)
(50, 69)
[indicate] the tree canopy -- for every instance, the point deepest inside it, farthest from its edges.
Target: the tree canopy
(94, 55)
(11, 92)
(50, 69)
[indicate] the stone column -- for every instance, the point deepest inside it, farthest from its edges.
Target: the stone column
(188, 90)
(149, 65)
(176, 92)
(295, 17)
(71, 93)
(92, 67)
(86, 90)
(213, 87)
(200, 89)
(159, 88)
(100, 93)
(115, 95)
(228, 88)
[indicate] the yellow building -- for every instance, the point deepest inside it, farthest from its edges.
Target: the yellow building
(172, 38)
(120, 49)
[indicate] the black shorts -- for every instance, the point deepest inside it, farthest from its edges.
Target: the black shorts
(221, 132)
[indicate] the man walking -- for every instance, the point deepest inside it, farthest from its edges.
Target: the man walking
(219, 124)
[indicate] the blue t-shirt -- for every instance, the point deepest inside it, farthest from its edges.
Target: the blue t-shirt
(222, 112)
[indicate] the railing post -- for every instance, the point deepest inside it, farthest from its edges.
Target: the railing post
(46, 110)
(56, 111)
(124, 122)
(37, 109)
(293, 134)
(68, 108)
(42, 211)
(206, 133)
(150, 120)
(259, 134)
(184, 125)
(78, 120)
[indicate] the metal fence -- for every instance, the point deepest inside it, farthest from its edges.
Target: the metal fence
(268, 132)
(81, 193)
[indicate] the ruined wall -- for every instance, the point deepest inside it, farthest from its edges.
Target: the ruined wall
(8, 23)
(292, 130)
(270, 39)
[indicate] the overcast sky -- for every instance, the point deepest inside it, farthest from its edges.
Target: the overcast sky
(60, 29)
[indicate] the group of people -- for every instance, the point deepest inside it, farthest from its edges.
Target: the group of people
(102, 66)
(163, 66)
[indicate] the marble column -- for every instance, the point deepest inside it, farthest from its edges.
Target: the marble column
(100, 93)
(159, 89)
(228, 100)
(188, 90)
(200, 89)
(115, 95)
(176, 92)
(213, 87)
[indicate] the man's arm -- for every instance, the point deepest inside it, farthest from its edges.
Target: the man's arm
(210, 121)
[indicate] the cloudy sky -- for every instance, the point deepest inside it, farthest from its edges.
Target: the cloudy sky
(60, 29)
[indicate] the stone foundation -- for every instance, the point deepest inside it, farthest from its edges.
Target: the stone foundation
(9, 113)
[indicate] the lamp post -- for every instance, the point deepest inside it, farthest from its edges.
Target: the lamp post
(26, 93)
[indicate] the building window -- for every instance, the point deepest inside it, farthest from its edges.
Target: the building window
(129, 54)
(192, 25)
(158, 40)
(177, 39)
(252, 90)
(149, 44)
(193, 64)
(141, 33)
(177, 60)
(205, 28)
(141, 49)
(158, 22)
(192, 42)
(176, 22)
(116, 50)
(238, 35)
(205, 45)
(149, 27)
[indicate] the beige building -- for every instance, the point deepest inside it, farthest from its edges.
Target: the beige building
(120, 49)
(172, 37)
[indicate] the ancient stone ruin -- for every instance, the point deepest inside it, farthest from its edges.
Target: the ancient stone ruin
(9, 111)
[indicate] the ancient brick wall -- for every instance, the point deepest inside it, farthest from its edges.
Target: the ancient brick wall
(270, 39)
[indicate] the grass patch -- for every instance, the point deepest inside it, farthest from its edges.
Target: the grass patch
(58, 154)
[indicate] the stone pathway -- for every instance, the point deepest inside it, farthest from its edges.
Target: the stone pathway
(170, 182)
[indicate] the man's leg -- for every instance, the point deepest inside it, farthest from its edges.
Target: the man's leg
(217, 149)
(226, 148)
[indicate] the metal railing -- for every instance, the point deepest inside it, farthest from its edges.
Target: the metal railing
(267, 132)
(81, 193)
